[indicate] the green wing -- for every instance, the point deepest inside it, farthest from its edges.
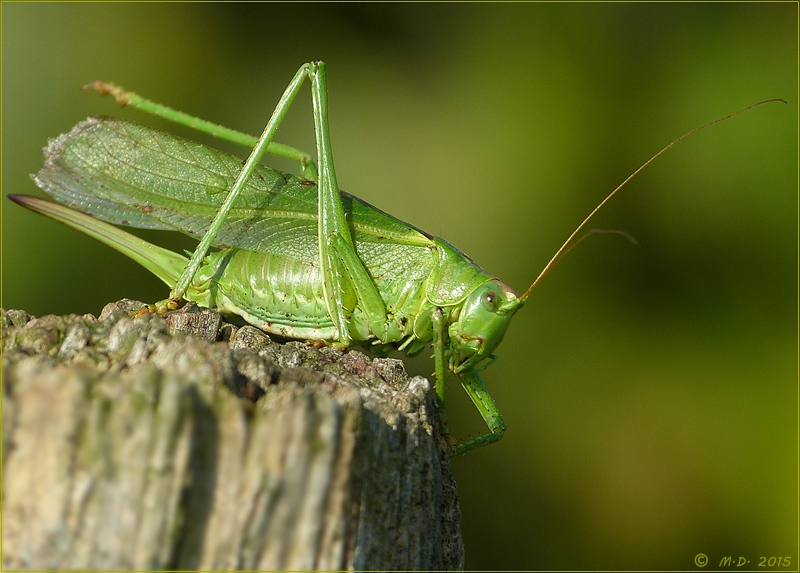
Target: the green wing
(129, 174)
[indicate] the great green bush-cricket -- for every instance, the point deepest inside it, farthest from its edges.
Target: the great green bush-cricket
(296, 257)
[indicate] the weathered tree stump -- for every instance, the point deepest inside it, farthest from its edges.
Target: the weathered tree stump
(128, 444)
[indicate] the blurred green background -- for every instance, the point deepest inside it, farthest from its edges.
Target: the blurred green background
(651, 391)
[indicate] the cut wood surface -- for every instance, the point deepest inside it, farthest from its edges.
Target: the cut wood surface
(129, 444)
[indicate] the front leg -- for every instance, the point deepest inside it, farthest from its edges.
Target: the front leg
(472, 383)
(437, 320)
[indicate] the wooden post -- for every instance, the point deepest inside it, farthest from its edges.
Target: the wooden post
(128, 444)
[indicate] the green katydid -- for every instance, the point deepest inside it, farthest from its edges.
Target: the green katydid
(297, 257)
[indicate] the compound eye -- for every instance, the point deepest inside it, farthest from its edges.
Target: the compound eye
(490, 300)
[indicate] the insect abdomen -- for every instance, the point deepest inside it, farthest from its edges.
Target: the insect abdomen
(280, 295)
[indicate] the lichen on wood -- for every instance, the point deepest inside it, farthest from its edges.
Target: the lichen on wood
(129, 444)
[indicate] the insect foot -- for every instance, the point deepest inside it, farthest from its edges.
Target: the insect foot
(160, 308)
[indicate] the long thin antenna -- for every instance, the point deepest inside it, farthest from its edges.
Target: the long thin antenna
(566, 246)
